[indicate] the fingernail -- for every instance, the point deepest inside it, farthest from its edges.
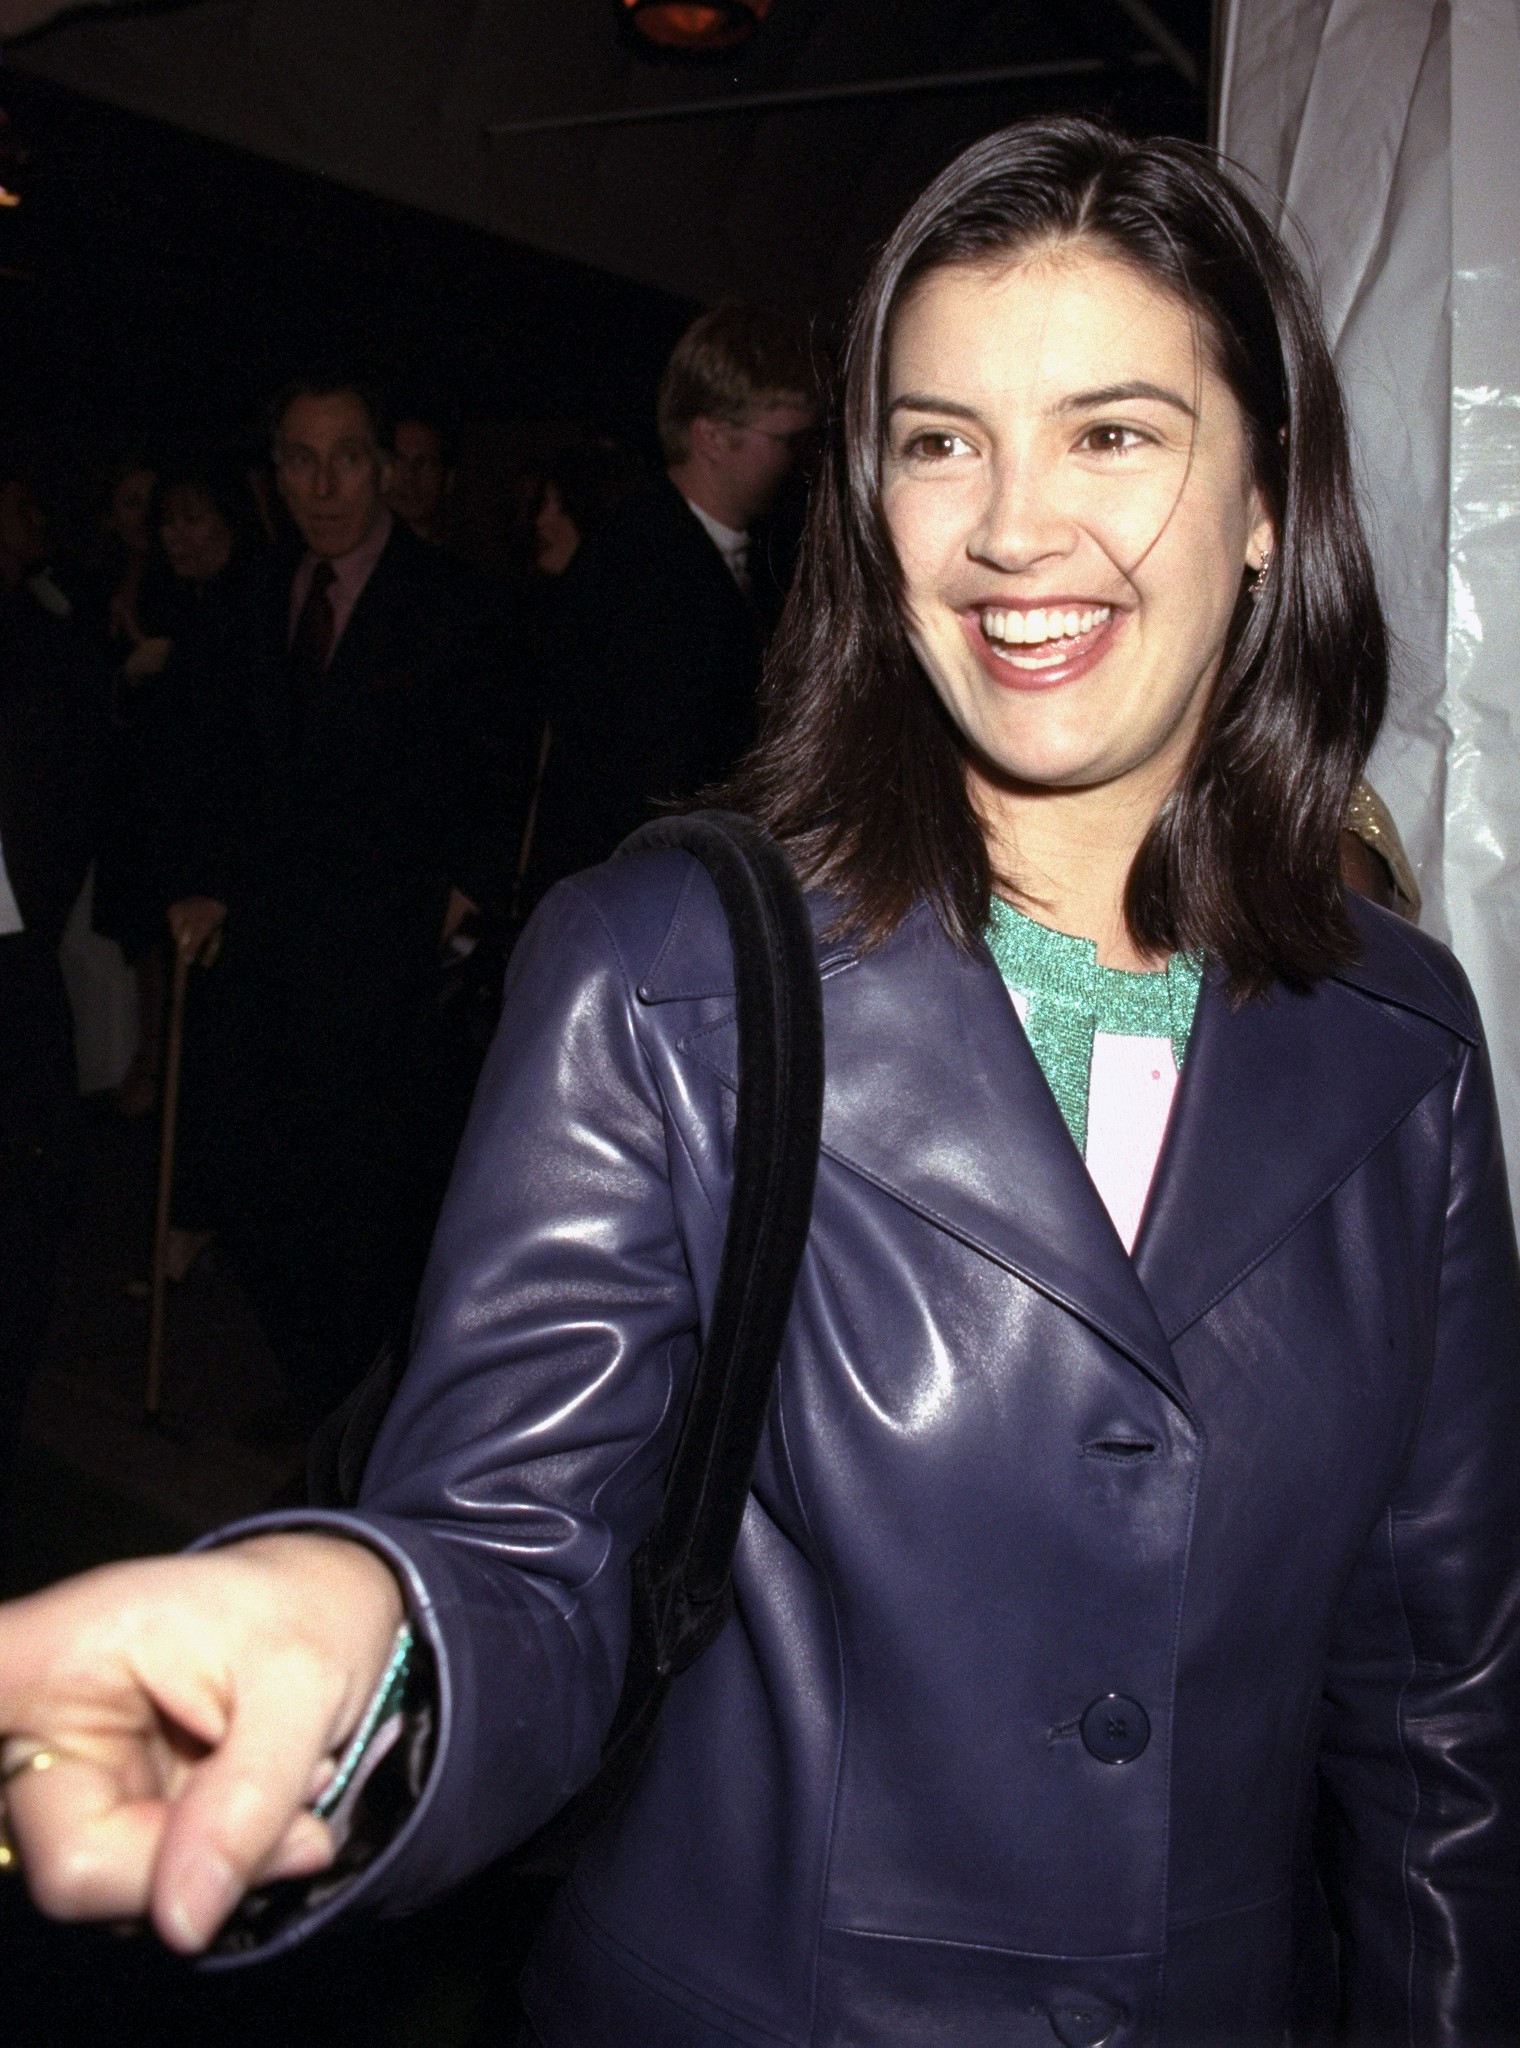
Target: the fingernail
(201, 1901)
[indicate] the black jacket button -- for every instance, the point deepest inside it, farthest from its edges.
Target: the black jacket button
(1082, 2022)
(1116, 1729)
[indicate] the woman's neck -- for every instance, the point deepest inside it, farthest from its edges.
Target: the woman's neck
(1065, 857)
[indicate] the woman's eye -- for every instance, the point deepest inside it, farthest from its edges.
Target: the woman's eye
(936, 444)
(1112, 440)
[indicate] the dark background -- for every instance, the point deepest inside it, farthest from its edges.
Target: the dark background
(169, 284)
(158, 286)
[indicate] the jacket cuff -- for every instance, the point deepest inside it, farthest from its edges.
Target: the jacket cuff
(279, 1917)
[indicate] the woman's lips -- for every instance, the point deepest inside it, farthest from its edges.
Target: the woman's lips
(1041, 664)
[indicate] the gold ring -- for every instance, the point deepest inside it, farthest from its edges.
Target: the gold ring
(39, 1759)
(42, 1756)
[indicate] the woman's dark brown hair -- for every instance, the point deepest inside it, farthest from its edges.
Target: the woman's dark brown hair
(858, 770)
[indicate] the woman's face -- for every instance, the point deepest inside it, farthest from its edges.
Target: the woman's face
(197, 539)
(1067, 486)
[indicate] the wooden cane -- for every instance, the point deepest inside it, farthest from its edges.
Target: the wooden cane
(168, 1133)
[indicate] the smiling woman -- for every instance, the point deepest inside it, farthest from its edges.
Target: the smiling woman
(1072, 534)
(1083, 392)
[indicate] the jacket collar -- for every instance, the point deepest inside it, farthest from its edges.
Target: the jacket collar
(1281, 1100)
(934, 1096)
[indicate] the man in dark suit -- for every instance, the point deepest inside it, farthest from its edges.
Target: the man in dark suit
(52, 719)
(422, 475)
(356, 837)
(652, 669)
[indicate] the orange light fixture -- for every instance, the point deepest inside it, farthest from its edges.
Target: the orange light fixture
(694, 26)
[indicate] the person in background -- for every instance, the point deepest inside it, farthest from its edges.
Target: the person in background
(342, 845)
(114, 563)
(561, 501)
(28, 527)
(170, 708)
(574, 492)
(421, 476)
(557, 532)
(52, 711)
(650, 685)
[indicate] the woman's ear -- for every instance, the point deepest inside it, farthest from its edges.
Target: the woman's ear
(1261, 544)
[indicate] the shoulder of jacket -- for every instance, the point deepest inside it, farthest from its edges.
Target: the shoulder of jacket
(647, 906)
(661, 911)
(1401, 965)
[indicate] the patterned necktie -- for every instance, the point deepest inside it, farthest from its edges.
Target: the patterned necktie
(313, 638)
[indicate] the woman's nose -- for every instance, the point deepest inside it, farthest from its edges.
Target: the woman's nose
(1023, 522)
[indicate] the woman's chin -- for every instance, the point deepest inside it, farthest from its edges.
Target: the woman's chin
(1021, 770)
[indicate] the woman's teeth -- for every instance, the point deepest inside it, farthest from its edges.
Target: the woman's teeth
(1031, 629)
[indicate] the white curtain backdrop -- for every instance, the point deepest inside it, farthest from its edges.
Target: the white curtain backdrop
(1389, 133)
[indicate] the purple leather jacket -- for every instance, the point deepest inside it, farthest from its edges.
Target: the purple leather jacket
(1106, 1630)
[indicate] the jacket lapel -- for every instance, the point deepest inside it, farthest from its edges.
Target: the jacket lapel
(933, 1094)
(1280, 1101)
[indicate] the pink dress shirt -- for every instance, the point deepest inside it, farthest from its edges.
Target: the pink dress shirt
(350, 574)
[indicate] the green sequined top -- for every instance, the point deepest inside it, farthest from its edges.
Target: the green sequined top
(1070, 999)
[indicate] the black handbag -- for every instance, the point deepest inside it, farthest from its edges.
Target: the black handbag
(682, 1572)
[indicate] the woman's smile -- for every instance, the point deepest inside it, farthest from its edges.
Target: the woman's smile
(1040, 645)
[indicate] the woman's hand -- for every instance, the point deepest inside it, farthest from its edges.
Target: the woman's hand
(191, 1707)
(194, 921)
(148, 658)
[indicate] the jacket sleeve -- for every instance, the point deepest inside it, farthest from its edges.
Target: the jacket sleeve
(524, 1456)
(1420, 1757)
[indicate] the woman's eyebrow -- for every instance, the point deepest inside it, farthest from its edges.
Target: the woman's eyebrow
(926, 401)
(1119, 394)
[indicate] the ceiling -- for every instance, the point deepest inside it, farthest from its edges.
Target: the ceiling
(774, 201)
